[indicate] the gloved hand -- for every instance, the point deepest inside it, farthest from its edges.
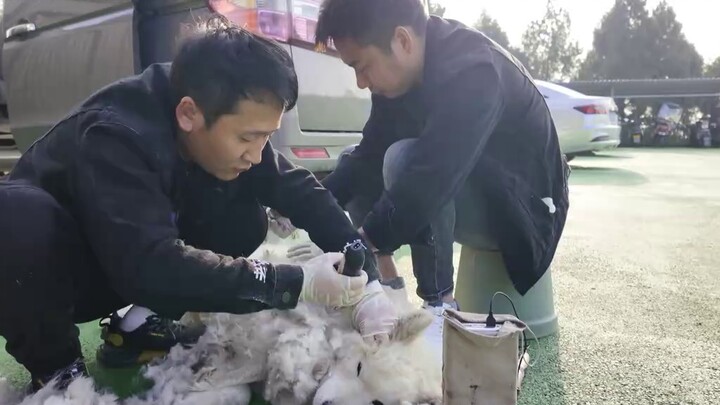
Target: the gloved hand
(303, 252)
(322, 284)
(375, 316)
(279, 225)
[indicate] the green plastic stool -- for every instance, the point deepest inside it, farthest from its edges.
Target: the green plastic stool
(481, 273)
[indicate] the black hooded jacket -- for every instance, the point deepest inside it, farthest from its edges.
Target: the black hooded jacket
(478, 118)
(113, 163)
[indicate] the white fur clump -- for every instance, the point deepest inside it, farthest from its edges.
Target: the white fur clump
(79, 392)
(7, 394)
(308, 355)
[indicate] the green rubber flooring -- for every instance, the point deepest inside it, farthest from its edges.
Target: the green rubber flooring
(635, 281)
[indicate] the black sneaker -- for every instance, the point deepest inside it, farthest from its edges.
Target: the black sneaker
(151, 340)
(62, 377)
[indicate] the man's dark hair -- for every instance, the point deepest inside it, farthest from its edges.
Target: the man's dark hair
(221, 64)
(368, 22)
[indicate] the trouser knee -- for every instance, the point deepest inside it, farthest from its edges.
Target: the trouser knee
(394, 160)
(348, 150)
(37, 291)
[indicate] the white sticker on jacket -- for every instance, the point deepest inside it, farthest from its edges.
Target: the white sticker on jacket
(551, 205)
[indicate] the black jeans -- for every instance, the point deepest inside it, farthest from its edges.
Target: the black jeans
(50, 279)
(432, 264)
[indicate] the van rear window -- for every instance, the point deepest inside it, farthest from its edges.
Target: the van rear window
(279, 19)
(305, 16)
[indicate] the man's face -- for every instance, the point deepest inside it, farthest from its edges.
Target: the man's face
(386, 73)
(234, 143)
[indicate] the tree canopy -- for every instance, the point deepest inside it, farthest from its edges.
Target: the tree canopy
(632, 43)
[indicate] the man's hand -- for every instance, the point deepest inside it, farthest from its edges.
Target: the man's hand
(322, 284)
(279, 225)
(375, 316)
(303, 252)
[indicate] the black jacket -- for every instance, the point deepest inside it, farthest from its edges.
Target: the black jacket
(478, 118)
(113, 163)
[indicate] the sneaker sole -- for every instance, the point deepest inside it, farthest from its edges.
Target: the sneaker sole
(114, 357)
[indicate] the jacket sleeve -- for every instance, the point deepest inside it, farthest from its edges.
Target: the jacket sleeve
(465, 110)
(365, 160)
(296, 194)
(127, 218)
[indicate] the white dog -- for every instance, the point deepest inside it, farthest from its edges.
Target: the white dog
(313, 354)
(308, 355)
(402, 371)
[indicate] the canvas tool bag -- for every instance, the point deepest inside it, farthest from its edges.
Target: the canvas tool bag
(482, 366)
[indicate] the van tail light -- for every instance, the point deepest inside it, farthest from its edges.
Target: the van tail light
(592, 109)
(266, 17)
(310, 153)
(283, 20)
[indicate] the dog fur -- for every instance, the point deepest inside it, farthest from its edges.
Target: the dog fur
(308, 355)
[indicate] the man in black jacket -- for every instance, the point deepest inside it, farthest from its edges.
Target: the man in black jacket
(152, 192)
(456, 124)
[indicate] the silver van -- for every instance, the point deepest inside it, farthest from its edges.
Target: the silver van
(58, 52)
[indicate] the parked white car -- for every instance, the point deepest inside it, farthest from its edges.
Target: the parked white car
(584, 123)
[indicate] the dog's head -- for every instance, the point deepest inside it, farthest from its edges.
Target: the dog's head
(399, 371)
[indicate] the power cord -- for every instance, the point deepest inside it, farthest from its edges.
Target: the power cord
(491, 322)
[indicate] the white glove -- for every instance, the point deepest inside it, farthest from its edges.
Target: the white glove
(375, 316)
(322, 284)
(303, 252)
(279, 225)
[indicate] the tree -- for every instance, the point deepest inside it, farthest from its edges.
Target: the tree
(436, 9)
(617, 50)
(713, 69)
(673, 54)
(550, 53)
(634, 44)
(491, 28)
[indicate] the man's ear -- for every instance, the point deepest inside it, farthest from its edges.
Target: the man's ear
(403, 41)
(188, 115)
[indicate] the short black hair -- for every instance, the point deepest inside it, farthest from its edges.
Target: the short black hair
(220, 64)
(368, 22)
